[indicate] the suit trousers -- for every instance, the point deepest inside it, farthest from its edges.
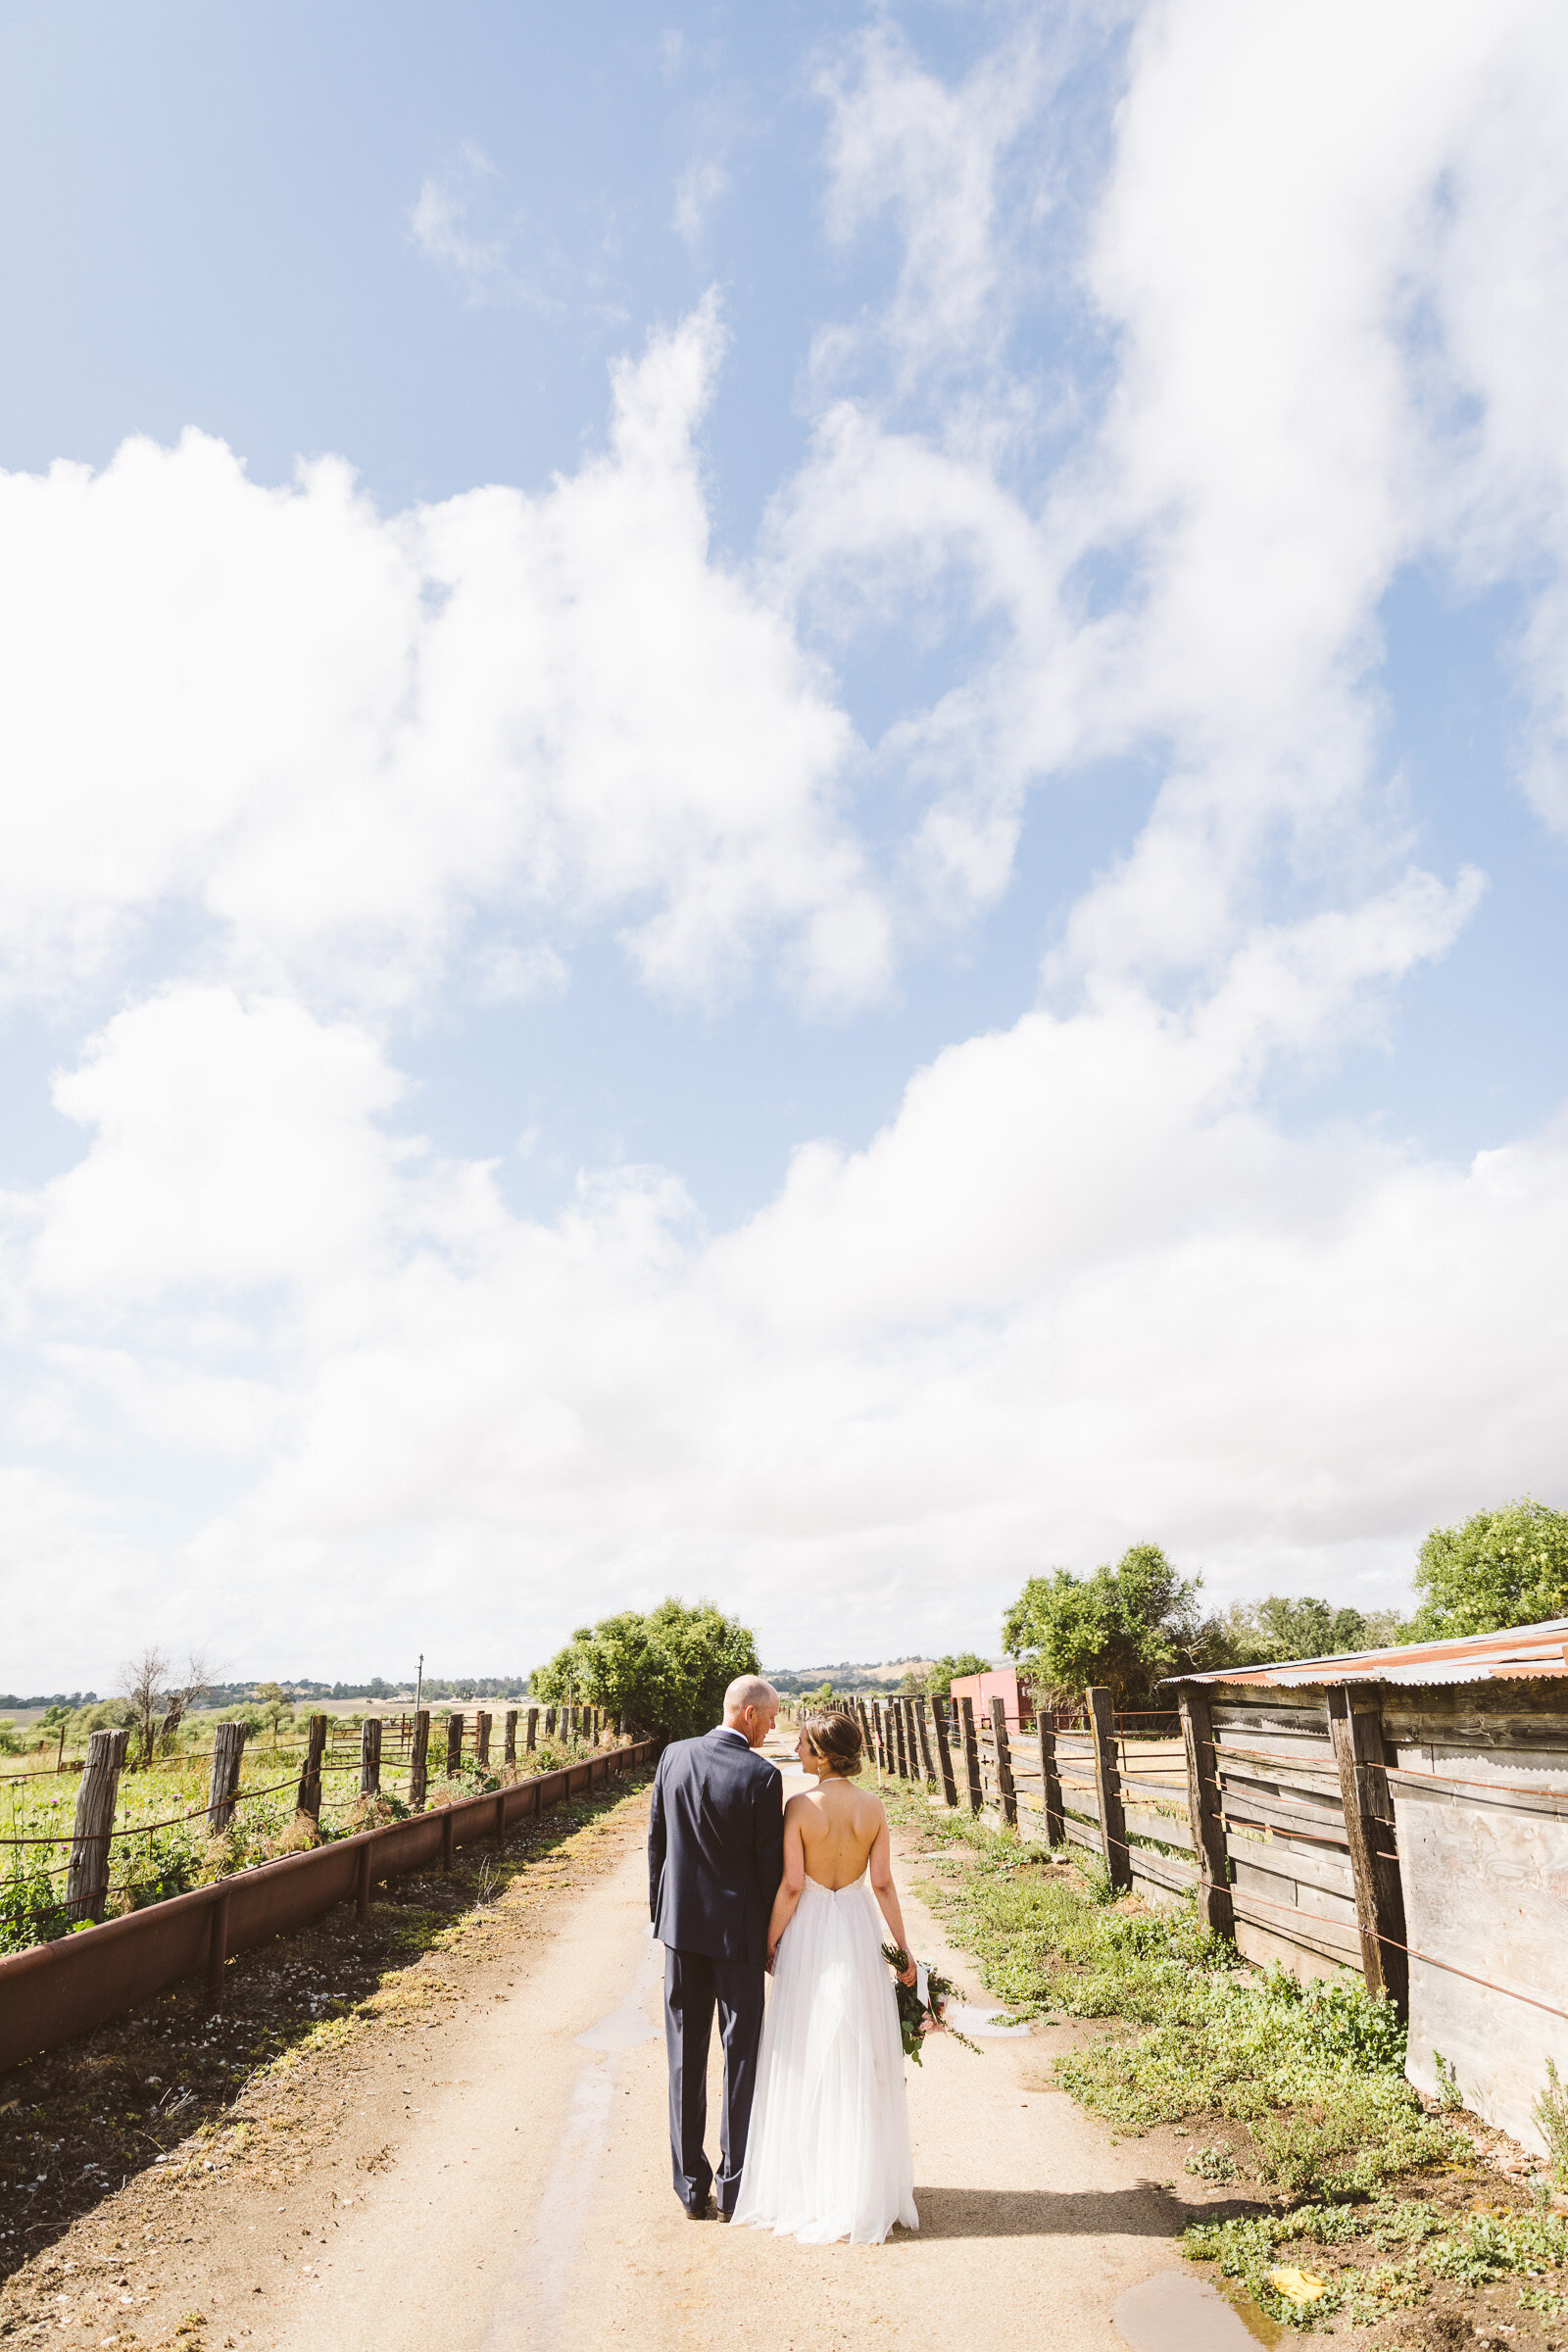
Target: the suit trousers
(695, 1984)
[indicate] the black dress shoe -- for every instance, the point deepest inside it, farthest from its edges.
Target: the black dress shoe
(701, 2213)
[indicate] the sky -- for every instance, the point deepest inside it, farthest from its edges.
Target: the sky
(784, 815)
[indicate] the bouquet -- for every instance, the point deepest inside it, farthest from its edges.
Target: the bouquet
(922, 2005)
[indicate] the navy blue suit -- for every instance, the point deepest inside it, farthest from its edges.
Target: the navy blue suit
(715, 1856)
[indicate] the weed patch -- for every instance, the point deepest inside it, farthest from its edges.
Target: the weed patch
(1411, 2245)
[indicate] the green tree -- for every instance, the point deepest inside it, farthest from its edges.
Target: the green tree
(946, 1671)
(1122, 1627)
(662, 1674)
(1258, 1632)
(272, 1700)
(1501, 1568)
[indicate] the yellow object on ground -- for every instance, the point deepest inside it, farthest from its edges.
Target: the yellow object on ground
(1296, 2284)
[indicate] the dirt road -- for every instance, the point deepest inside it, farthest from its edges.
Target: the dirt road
(499, 2181)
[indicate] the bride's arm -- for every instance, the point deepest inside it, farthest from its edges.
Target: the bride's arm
(887, 1894)
(790, 1884)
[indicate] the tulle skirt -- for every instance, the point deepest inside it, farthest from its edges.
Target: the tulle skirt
(828, 2155)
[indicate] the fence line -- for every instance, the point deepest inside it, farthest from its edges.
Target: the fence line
(58, 1990)
(94, 1834)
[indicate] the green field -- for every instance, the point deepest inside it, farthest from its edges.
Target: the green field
(162, 1843)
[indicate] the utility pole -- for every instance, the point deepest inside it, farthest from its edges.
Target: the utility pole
(418, 1687)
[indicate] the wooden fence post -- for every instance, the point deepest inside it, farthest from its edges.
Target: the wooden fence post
(1009, 1794)
(420, 1761)
(939, 1722)
(898, 1727)
(88, 1874)
(533, 1728)
(549, 1723)
(509, 1753)
(453, 1746)
(1206, 1815)
(971, 1754)
(309, 1800)
(228, 1747)
(1355, 1727)
(1049, 1779)
(481, 1736)
(370, 1756)
(1107, 1788)
(925, 1741)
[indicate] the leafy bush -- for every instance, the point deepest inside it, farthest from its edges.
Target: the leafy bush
(1123, 1627)
(1551, 2112)
(171, 1867)
(1474, 2251)
(31, 1903)
(665, 1674)
(1501, 1568)
(941, 1678)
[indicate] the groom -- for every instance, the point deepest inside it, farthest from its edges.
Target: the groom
(715, 1856)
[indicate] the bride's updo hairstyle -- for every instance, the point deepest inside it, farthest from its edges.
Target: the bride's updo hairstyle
(836, 1738)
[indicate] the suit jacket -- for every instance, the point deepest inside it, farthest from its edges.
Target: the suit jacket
(716, 1847)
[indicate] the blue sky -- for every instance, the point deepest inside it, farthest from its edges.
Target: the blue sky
(785, 811)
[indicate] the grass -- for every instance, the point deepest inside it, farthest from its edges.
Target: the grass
(1314, 2071)
(1411, 2243)
(1296, 2093)
(155, 1862)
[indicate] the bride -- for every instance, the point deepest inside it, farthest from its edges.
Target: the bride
(827, 2155)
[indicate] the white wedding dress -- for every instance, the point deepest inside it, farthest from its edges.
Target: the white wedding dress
(827, 2155)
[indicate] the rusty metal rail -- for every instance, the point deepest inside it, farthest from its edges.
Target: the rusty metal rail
(58, 1990)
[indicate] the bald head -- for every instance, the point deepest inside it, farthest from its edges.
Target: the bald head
(751, 1707)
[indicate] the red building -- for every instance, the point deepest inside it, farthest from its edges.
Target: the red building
(999, 1682)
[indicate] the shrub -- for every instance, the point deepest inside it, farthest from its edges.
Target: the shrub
(665, 1673)
(1501, 1568)
(31, 1902)
(1551, 2112)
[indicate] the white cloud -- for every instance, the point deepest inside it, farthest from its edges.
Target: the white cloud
(1086, 1286)
(1081, 1290)
(334, 736)
(903, 141)
(440, 223)
(699, 187)
(1329, 307)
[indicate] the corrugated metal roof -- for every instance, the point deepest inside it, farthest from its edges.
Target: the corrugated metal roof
(1523, 1652)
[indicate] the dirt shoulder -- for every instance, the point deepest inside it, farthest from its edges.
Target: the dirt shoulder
(129, 2159)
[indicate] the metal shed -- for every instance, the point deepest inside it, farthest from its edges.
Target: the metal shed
(1406, 1811)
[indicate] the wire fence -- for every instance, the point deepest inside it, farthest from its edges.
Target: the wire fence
(236, 1826)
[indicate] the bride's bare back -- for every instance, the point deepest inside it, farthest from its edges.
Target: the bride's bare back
(839, 1825)
(834, 1832)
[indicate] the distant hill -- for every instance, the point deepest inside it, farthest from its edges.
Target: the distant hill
(878, 1674)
